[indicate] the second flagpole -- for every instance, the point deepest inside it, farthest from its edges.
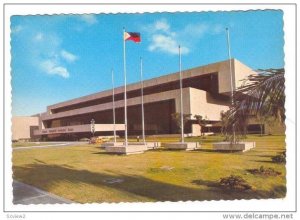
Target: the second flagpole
(142, 96)
(125, 89)
(181, 98)
(231, 79)
(113, 100)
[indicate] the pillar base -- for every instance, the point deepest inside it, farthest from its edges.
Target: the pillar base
(150, 145)
(127, 150)
(228, 146)
(106, 144)
(153, 145)
(182, 146)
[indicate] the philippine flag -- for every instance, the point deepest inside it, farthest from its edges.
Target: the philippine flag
(133, 36)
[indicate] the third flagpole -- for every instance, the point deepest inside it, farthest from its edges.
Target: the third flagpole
(113, 100)
(181, 99)
(125, 89)
(142, 95)
(231, 78)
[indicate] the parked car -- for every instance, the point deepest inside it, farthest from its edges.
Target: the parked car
(98, 140)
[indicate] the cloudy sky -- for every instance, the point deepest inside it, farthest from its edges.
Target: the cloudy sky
(60, 57)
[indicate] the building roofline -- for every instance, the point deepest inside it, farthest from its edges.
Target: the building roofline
(133, 86)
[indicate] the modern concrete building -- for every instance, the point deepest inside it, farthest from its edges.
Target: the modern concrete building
(206, 92)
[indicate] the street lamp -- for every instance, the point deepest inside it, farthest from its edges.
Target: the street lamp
(93, 126)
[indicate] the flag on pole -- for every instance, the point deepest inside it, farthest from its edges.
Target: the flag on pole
(133, 36)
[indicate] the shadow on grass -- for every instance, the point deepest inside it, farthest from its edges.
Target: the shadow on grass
(206, 183)
(264, 156)
(34, 174)
(102, 152)
(205, 150)
(164, 149)
(265, 161)
(39, 161)
(217, 151)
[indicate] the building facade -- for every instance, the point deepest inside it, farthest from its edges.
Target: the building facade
(206, 92)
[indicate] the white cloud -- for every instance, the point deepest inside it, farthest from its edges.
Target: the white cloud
(164, 39)
(17, 29)
(162, 25)
(166, 44)
(47, 54)
(68, 56)
(89, 19)
(42, 49)
(217, 29)
(52, 68)
(195, 30)
(39, 37)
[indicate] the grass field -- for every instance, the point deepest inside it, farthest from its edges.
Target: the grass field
(87, 174)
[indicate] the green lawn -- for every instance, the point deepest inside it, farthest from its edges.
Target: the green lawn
(87, 174)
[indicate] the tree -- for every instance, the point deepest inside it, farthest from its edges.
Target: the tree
(224, 122)
(202, 122)
(177, 118)
(262, 94)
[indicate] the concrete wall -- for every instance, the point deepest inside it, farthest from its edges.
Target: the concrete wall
(23, 126)
(240, 72)
(202, 103)
(224, 77)
(196, 130)
(275, 127)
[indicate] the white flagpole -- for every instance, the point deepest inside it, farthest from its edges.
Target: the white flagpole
(113, 100)
(181, 99)
(125, 89)
(142, 95)
(231, 79)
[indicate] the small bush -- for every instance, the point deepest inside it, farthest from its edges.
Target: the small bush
(264, 171)
(280, 158)
(234, 183)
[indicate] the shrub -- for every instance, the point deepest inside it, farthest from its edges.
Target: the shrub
(233, 182)
(264, 171)
(280, 158)
(84, 139)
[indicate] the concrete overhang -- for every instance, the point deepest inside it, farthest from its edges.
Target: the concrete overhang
(79, 129)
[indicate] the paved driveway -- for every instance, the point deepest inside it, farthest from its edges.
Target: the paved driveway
(60, 144)
(26, 194)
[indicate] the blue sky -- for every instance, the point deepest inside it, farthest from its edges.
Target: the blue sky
(60, 57)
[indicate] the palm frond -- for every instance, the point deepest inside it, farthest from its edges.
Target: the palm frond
(261, 94)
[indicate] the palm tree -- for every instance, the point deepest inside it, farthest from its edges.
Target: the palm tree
(262, 94)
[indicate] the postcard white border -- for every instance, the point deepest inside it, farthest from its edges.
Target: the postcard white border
(287, 204)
